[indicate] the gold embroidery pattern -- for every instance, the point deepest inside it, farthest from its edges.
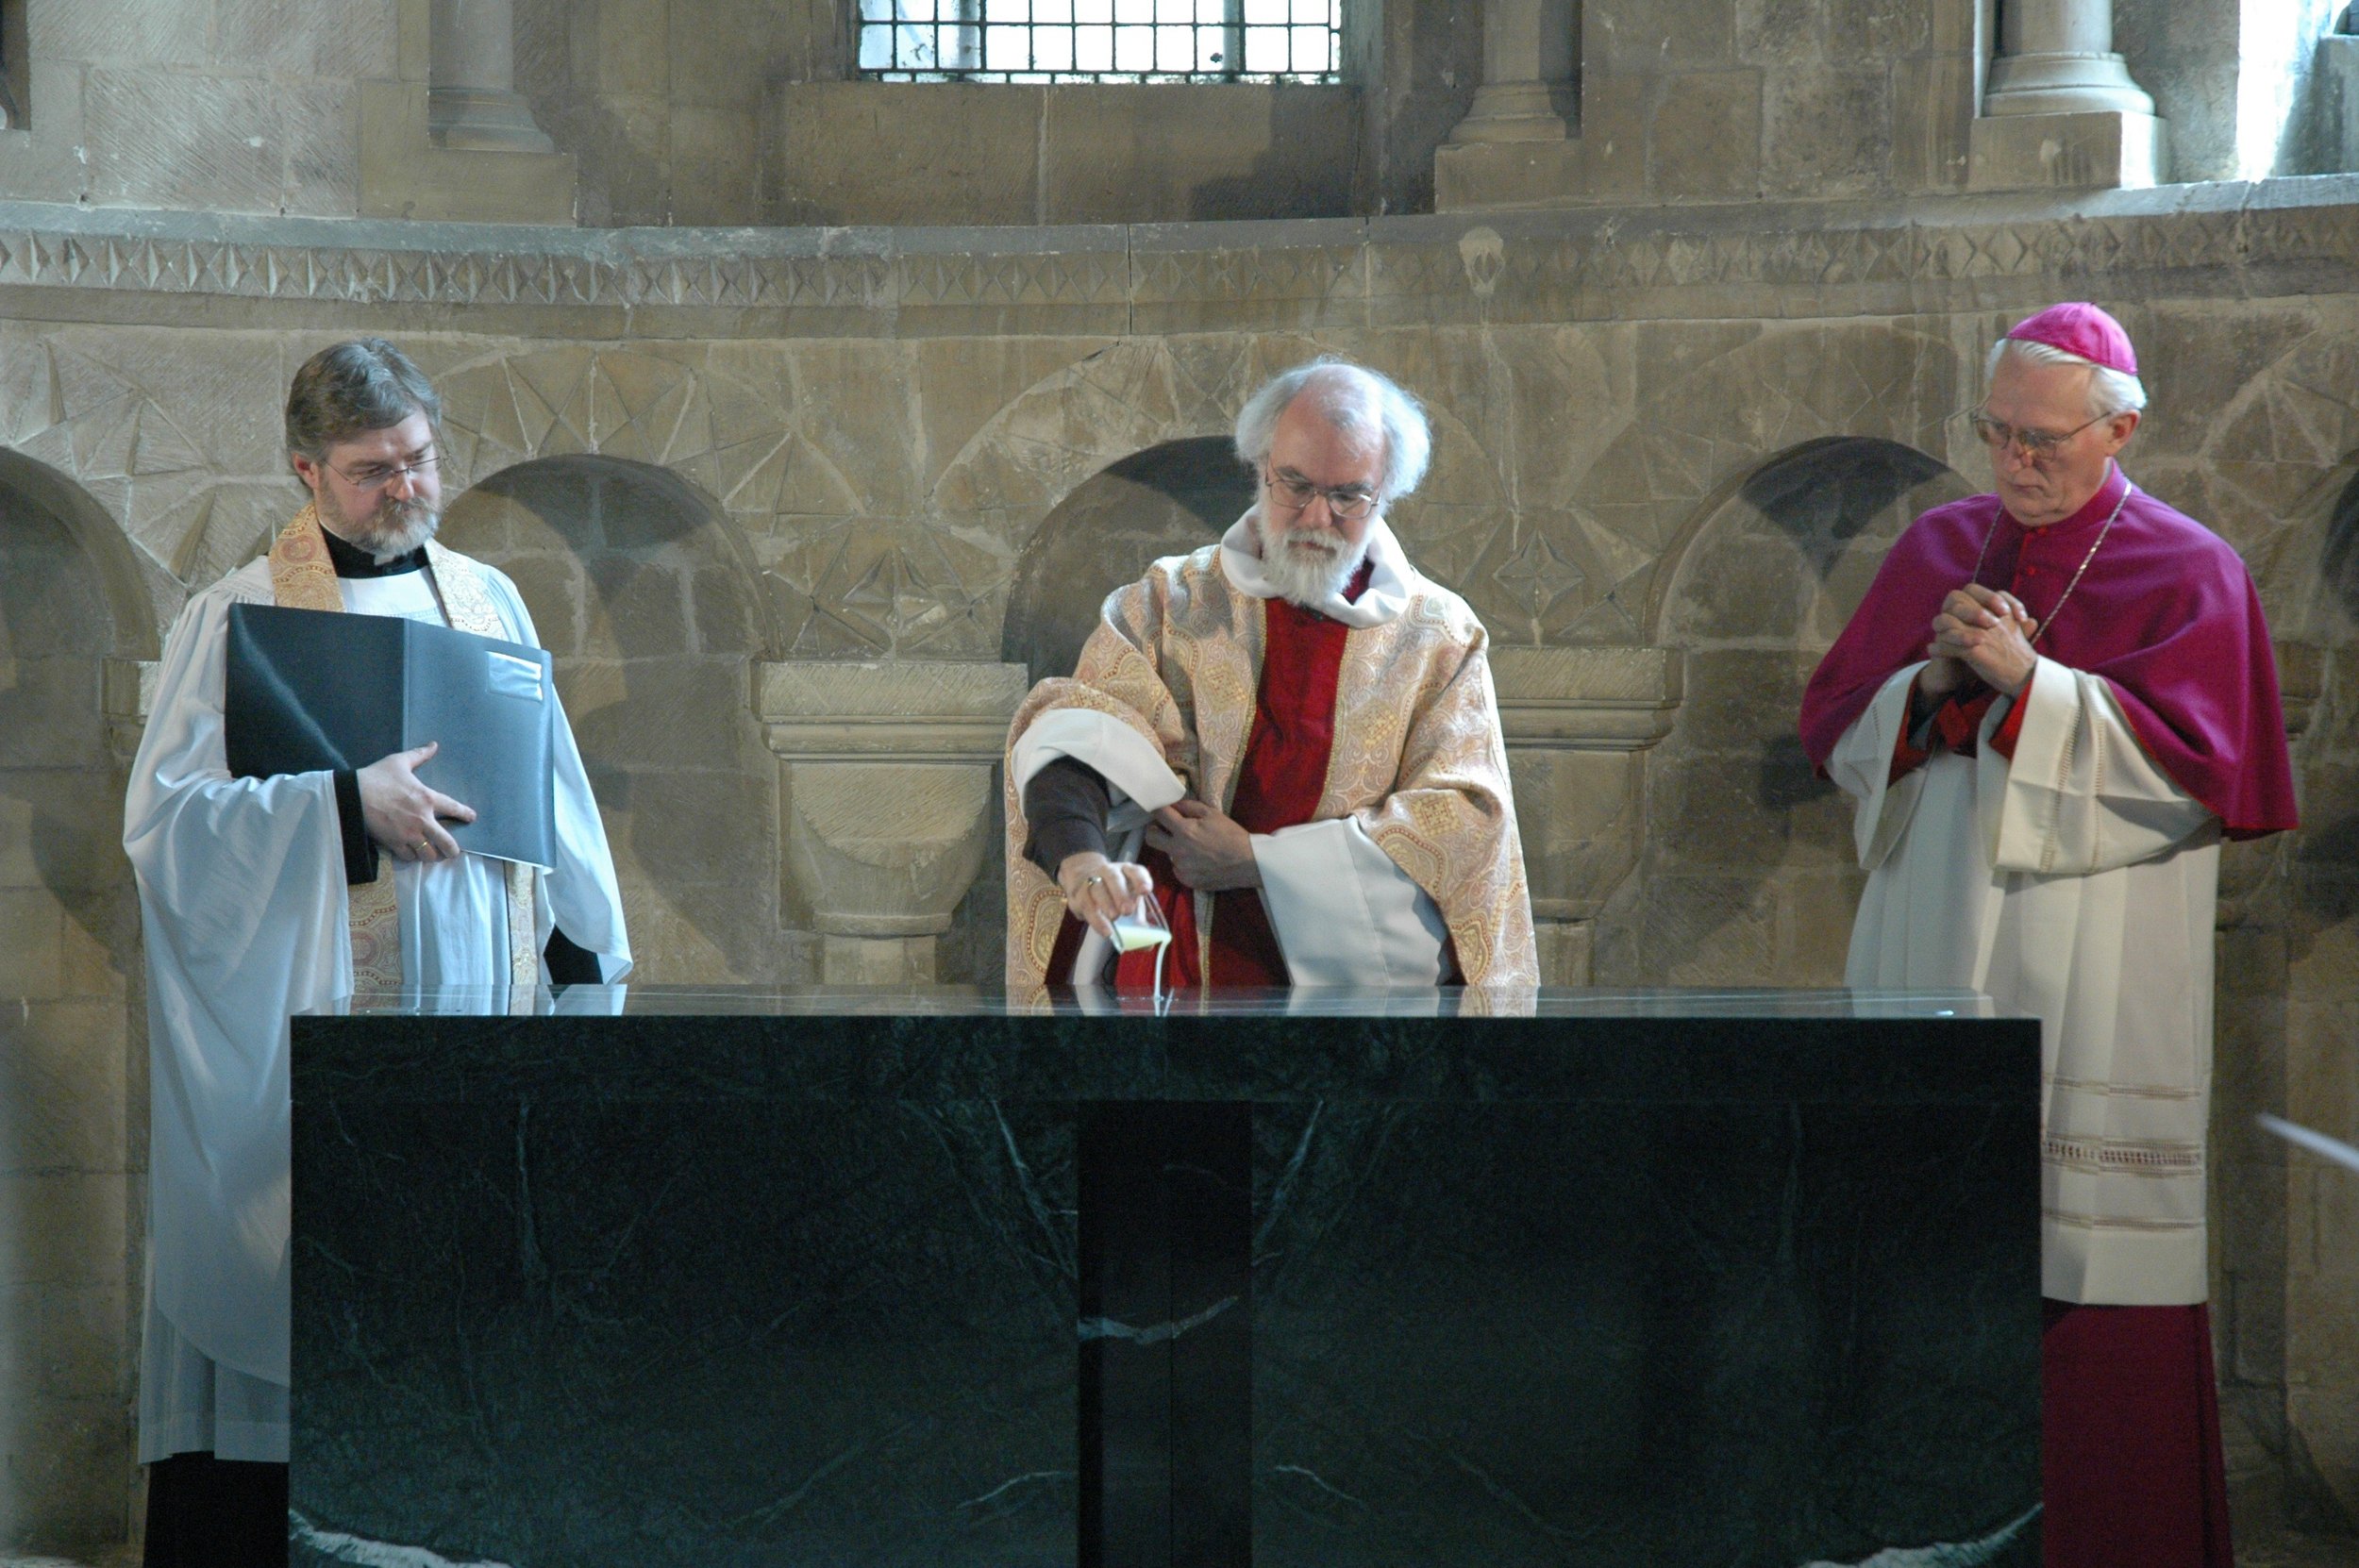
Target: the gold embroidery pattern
(303, 578)
(1417, 758)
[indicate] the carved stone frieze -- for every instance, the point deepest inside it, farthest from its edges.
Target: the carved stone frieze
(1307, 273)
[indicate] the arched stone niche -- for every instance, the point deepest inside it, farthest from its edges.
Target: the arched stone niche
(1174, 497)
(1747, 867)
(2289, 938)
(73, 1068)
(641, 587)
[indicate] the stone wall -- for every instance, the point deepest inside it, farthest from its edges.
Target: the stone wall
(665, 112)
(762, 489)
(73, 1052)
(749, 112)
(2235, 80)
(250, 106)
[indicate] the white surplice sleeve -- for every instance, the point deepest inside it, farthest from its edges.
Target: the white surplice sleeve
(2081, 794)
(1344, 912)
(580, 893)
(1861, 764)
(1138, 783)
(241, 903)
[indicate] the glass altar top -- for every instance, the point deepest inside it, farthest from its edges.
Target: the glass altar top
(654, 1001)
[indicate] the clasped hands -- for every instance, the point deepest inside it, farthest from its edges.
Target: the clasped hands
(403, 815)
(1208, 851)
(1981, 633)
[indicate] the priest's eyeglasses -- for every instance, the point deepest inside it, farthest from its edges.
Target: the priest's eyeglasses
(1292, 492)
(377, 475)
(2038, 446)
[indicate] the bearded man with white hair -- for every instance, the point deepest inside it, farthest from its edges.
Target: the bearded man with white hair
(2054, 703)
(1288, 741)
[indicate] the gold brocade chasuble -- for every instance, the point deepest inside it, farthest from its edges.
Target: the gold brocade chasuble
(302, 576)
(1417, 758)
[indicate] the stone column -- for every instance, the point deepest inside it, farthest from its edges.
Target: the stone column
(1514, 146)
(1528, 73)
(472, 103)
(887, 782)
(1579, 721)
(2060, 109)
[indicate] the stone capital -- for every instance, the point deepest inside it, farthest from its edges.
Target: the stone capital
(1578, 723)
(1586, 699)
(886, 774)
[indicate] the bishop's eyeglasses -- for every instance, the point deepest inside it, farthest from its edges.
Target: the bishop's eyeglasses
(2038, 446)
(1292, 492)
(377, 475)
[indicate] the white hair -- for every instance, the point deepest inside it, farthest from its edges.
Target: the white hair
(2111, 391)
(1355, 400)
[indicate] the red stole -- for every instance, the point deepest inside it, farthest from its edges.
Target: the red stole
(1279, 785)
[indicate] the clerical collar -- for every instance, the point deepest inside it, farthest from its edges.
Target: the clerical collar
(353, 562)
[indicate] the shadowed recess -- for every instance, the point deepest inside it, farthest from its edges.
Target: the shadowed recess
(68, 932)
(1167, 500)
(2339, 572)
(645, 593)
(1824, 492)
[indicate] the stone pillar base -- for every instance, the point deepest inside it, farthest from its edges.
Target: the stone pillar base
(1474, 176)
(2032, 152)
(465, 159)
(1566, 948)
(403, 174)
(875, 960)
(478, 120)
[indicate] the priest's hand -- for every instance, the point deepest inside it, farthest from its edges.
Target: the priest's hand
(403, 815)
(1096, 890)
(1209, 852)
(1988, 633)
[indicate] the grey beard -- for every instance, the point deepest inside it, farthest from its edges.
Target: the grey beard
(1308, 579)
(401, 530)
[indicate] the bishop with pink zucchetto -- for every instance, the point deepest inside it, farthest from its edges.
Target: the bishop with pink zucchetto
(2053, 703)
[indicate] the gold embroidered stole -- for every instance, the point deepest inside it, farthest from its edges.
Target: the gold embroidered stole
(302, 576)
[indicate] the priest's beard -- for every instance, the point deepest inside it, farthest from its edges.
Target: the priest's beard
(393, 528)
(1308, 566)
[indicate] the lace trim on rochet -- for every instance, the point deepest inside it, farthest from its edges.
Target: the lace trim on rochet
(2097, 1154)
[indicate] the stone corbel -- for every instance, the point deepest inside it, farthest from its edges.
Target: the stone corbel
(450, 138)
(887, 774)
(1579, 723)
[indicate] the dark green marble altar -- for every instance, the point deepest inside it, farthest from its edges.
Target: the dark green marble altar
(1409, 1280)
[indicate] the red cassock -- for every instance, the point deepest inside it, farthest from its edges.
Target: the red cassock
(2164, 611)
(1279, 785)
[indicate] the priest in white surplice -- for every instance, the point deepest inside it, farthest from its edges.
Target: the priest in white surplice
(2053, 703)
(262, 898)
(1287, 740)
